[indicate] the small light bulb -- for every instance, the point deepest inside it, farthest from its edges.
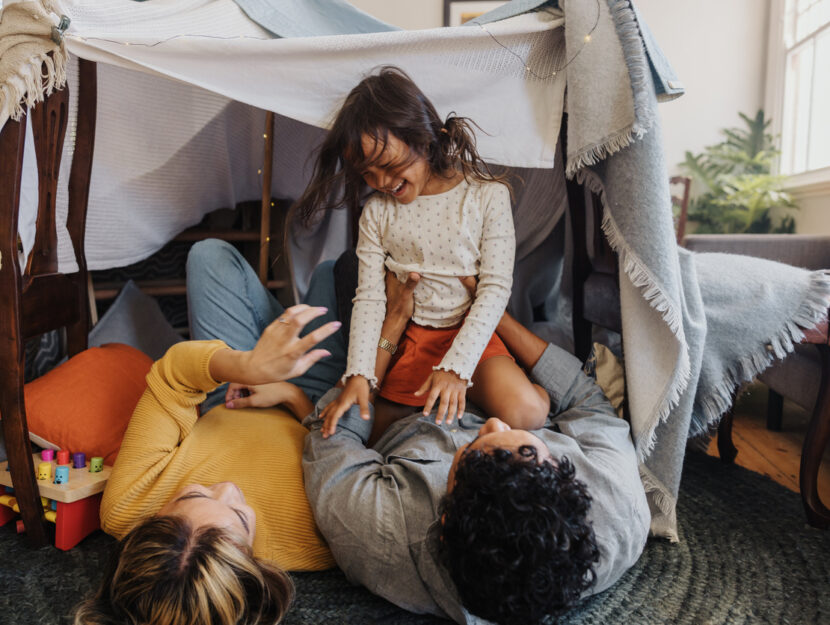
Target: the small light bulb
(272, 203)
(587, 38)
(267, 239)
(258, 172)
(265, 136)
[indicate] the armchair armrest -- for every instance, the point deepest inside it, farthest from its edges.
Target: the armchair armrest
(801, 250)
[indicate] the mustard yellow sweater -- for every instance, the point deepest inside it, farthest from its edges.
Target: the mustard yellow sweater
(167, 446)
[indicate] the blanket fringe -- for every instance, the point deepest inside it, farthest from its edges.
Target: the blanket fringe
(31, 84)
(628, 31)
(593, 154)
(812, 310)
(639, 74)
(665, 503)
(642, 278)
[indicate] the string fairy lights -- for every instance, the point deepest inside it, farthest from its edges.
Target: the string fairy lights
(585, 41)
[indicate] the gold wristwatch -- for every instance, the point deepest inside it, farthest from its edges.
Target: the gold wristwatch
(388, 345)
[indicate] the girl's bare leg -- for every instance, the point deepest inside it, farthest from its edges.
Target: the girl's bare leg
(386, 413)
(502, 390)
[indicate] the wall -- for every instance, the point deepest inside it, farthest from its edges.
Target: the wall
(718, 49)
(408, 14)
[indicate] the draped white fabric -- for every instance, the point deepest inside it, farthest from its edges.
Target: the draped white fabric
(169, 151)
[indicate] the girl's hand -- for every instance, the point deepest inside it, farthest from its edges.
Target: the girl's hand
(452, 390)
(356, 391)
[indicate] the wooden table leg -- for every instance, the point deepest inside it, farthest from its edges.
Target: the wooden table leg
(815, 442)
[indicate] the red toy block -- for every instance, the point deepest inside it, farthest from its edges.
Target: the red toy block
(76, 521)
(6, 514)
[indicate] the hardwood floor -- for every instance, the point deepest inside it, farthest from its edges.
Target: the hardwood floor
(775, 454)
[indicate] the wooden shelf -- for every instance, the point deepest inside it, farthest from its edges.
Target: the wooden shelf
(200, 234)
(109, 290)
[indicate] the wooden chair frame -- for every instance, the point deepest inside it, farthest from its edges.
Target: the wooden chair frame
(40, 298)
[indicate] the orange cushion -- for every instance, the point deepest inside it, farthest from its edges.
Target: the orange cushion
(86, 403)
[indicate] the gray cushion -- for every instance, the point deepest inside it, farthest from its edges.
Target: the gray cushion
(801, 250)
(798, 377)
(135, 319)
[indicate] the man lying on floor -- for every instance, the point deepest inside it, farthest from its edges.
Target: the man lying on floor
(474, 519)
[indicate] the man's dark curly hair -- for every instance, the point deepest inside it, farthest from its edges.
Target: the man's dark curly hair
(515, 536)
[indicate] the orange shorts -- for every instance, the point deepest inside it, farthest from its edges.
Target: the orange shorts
(420, 349)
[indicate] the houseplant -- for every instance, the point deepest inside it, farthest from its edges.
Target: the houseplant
(733, 190)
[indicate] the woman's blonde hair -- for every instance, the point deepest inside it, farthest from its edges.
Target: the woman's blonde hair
(166, 573)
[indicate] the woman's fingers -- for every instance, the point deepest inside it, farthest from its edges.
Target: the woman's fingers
(462, 404)
(305, 362)
(312, 338)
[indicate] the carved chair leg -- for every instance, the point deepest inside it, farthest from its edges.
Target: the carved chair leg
(815, 442)
(726, 449)
(20, 461)
(775, 411)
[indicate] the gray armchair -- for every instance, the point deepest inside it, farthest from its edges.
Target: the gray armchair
(801, 377)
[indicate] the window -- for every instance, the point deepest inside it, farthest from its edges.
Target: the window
(799, 83)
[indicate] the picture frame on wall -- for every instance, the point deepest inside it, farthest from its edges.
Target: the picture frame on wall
(457, 12)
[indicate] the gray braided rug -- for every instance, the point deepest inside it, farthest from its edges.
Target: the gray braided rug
(745, 557)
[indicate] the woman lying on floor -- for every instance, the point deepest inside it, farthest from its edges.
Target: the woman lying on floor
(221, 497)
(210, 511)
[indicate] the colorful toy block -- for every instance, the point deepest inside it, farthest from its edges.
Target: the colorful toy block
(72, 502)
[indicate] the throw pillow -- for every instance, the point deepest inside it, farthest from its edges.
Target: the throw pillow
(86, 403)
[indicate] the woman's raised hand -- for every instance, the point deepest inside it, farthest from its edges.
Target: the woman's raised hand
(280, 353)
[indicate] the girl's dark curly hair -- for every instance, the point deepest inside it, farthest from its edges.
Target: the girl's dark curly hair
(515, 536)
(383, 103)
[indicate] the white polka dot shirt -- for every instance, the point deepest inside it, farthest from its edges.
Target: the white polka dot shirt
(466, 231)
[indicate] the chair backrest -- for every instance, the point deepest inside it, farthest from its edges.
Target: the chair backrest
(40, 298)
(680, 199)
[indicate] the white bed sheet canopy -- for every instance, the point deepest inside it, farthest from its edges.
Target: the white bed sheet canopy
(183, 86)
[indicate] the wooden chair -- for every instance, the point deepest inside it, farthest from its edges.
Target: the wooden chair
(40, 298)
(681, 203)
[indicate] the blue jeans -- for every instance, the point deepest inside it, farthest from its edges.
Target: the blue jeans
(226, 300)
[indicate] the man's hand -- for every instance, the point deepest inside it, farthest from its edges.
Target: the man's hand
(356, 391)
(400, 304)
(471, 284)
(452, 390)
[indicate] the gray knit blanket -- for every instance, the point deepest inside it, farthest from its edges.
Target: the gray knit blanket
(695, 326)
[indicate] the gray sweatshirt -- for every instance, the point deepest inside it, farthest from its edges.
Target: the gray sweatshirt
(376, 506)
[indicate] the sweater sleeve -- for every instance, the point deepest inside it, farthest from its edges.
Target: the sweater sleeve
(495, 278)
(370, 298)
(163, 418)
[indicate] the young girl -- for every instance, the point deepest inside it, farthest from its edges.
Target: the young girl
(438, 212)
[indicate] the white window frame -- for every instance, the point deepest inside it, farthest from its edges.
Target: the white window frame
(809, 183)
